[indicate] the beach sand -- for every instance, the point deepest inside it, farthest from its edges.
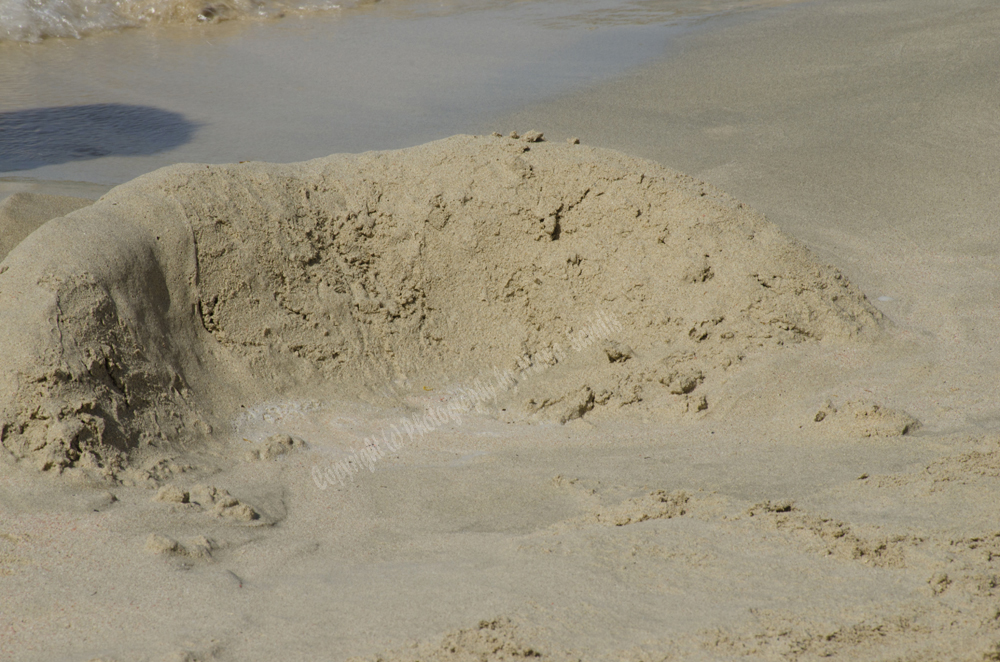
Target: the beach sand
(834, 496)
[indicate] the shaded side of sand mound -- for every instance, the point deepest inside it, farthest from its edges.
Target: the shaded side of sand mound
(125, 324)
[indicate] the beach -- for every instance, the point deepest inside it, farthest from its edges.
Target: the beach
(706, 371)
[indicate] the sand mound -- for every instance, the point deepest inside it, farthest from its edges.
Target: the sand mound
(575, 278)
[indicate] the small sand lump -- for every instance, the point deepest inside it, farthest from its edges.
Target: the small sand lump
(157, 544)
(233, 509)
(860, 418)
(276, 446)
(172, 494)
(198, 547)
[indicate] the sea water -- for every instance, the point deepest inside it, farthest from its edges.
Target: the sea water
(105, 90)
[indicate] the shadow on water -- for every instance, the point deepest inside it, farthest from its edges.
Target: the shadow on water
(46, 136)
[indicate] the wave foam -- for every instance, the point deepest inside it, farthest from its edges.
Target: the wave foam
(35, 20)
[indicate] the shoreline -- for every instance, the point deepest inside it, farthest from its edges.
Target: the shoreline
(381, 76)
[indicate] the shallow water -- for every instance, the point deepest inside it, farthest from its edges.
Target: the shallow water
(116, 104)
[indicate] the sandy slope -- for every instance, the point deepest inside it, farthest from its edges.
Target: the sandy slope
(749, 529)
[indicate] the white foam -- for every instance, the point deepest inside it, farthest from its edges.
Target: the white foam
(34, 20)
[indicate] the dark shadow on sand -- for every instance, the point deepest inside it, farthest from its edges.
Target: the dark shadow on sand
(46, 136)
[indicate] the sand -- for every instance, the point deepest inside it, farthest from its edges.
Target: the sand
(509, 264)
(476, 492)
(23, 213)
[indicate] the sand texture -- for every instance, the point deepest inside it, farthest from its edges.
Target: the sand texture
(22, 213)
(445, 261)
(523, 398)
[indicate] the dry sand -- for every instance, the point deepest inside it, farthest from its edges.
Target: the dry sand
(633, 419)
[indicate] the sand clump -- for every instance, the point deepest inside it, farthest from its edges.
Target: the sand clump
(495, 639)
(208, 498)
(658, 504)
(275, 447)
(199, 547)
(831, 537)
(142, 320)
(861, 418)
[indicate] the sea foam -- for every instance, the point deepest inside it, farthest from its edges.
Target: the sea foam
(34, 20)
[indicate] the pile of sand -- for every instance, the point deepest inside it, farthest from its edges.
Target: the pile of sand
(609, 281)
